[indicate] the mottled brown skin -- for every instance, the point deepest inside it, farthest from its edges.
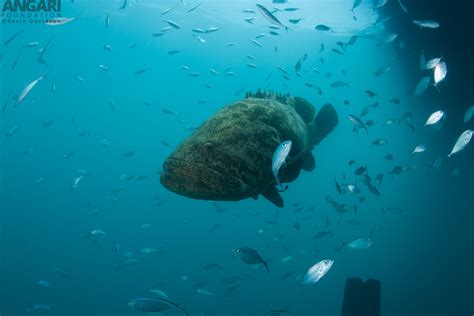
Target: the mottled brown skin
(229, 157)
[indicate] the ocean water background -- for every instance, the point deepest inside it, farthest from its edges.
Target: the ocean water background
(423, 255)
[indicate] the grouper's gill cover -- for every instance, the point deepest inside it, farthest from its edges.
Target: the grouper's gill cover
(229, 156)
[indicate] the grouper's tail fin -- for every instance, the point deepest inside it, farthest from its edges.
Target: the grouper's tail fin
(324, 122)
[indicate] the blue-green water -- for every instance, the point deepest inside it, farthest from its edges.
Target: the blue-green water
(77, 123)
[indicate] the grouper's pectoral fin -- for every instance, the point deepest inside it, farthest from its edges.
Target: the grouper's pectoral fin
(324, 122)
(308, 162)
(274, 196)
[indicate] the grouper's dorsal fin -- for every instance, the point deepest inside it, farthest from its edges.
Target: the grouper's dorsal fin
(273, 196)
(323, 123)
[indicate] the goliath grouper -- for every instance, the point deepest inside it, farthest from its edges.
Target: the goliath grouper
(229, 157)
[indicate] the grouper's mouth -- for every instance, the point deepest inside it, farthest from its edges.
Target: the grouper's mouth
(197, 180)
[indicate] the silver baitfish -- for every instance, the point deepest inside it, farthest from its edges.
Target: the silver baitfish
(279, 158)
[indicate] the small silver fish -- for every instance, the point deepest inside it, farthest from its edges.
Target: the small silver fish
(282, 70)
(39, 309)
(43, 283)
(195, 7)
(426, 24)
(211, 30)
(75, 184)
(16, 62)
(357, 122)
(10, 39)
(422, 86)
(388, 39)
(159, 293)
(404, 8)
(324, 28)
(379, 142)
(166, 11)
(279, 158)
(440, 72)
(205, 291)
(28, 88)
(42, 51)
(270, 17)
(98, 232)
(291, 9)
(124, 5)
(419, 149)
(469, 114)
(380, 4)
(434, 118)
(339, 84)
(360, 243)
(7, 100)
(295, 21)
(249, 20)
(317, 271)
(257, 43)
(432, 63)
(422, 61)
(104, 69)
(462, 142)
(31, 44)
(172, 24)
